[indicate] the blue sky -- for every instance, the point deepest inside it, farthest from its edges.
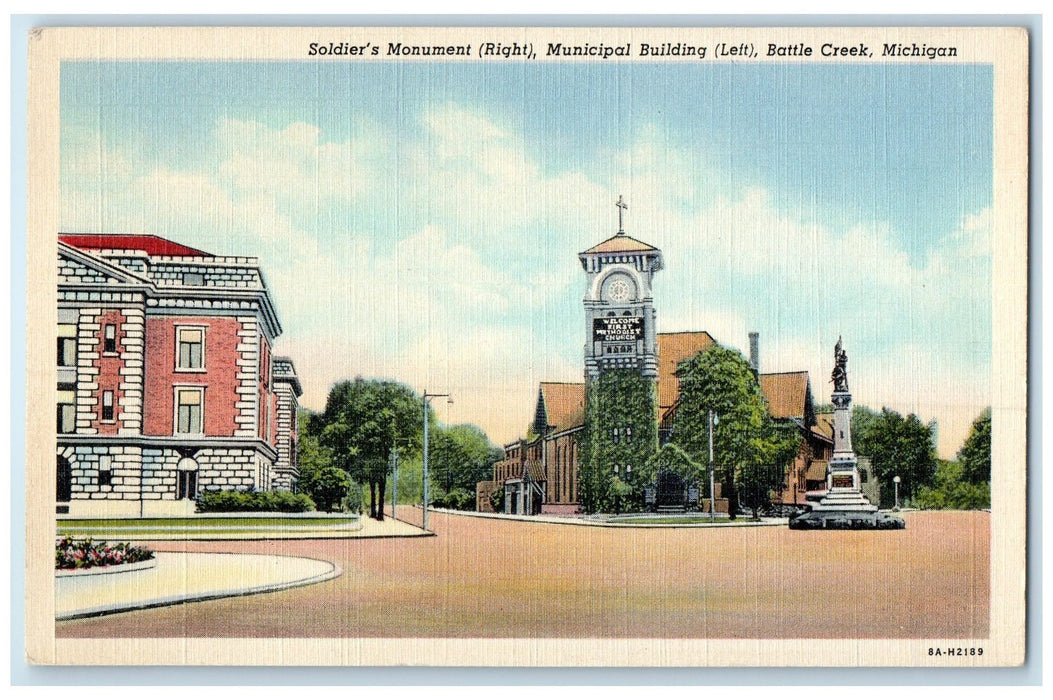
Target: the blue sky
(421, 220)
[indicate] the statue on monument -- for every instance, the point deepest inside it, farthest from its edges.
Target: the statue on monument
(840, 375)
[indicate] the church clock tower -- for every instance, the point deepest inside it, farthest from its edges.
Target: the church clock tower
(621, 371)
(619, 308)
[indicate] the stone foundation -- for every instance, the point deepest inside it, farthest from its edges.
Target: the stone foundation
(151, 475)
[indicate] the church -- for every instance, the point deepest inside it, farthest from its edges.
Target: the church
(541, 474)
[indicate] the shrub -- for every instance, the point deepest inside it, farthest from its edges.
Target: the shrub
(253, 502)
(354, 499)
(84, 554)
(455, 499)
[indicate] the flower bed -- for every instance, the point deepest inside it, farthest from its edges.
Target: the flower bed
(85, 554)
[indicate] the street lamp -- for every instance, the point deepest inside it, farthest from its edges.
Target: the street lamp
(424, 401)
(895, 480)
(713, 420)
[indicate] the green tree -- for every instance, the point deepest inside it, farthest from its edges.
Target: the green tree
(327, 487)
(750, 450)
(620, 432)
(313, 459)
(897, 446)
(975, 455)
(952, 490)
(362, 422)
(459, 457)
(410, 476)
(774, 448)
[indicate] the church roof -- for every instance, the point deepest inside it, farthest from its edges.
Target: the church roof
(152, 245)
(564, 404)
(674, 348)
(620, 243)
(787, 393)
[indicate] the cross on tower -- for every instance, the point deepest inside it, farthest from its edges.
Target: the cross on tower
(622, 206)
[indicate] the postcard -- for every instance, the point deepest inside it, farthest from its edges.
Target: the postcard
(527, 346)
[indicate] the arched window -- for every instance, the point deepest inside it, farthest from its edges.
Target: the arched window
(186, 483)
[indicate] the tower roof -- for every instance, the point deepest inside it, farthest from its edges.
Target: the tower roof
(620, 243)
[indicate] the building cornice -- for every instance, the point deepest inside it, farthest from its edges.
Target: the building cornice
(168, 296)
(169, 441)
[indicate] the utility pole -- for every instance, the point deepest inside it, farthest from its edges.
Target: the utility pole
(425, 475)
(713, 420)
(395, 479)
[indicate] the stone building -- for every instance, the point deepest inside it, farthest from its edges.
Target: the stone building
(166, 381)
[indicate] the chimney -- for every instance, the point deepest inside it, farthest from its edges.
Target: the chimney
(755, 353)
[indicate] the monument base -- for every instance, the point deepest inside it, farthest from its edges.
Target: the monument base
(844, 500)
(839, 519)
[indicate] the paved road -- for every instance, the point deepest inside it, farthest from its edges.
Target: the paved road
(491, 578)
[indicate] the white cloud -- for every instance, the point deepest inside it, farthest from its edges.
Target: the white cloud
(444, 261)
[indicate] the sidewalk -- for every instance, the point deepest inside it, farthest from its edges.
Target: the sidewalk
(183, 576)
(389, 527)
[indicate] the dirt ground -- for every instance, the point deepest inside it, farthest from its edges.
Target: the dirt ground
(490, 578)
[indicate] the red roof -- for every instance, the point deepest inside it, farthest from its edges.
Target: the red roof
(564, 404)
(153, 245)
(674, 348)
(786, 392)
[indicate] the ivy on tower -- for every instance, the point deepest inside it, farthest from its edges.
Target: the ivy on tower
(621, 368)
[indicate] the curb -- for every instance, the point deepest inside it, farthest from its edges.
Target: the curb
(111, 569)
(582, 522)
(177, 599)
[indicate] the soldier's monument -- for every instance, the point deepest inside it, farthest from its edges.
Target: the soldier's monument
(844, 506)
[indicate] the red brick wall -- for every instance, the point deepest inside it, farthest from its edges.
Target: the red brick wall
(109, 365)
(219, 376)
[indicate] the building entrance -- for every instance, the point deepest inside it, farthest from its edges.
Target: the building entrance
(671, 492)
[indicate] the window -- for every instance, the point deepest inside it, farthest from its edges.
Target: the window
(186, 486)
(67, 345)
(67, 412)
(63, 480)
(109, 338)
(107, 405)
(190, 349)
(105, 471)
(67, 352)
(189, 407)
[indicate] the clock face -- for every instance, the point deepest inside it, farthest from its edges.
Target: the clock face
(619, 290)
